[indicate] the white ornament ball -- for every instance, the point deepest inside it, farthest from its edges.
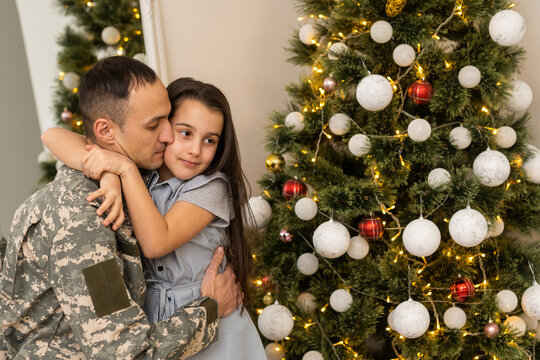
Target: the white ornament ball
(491, 168)
(421, 237)
(374, 92)
(308, 34)
(404, 55)
(506, 300)
(290, 158)
(59, 164)
(531, 323)
(468, 227)
(307, 264)
(411, 319)
(391, 320)
(455, 318)
(331, 239)
(341, 300)
(381, 31)
(274, 351)
(438, 177)
(517, 324)
(460, 137)
(469, 76)
(419, 130)
(359, 248)
(45, 157)
(140, 57)
(507, 27)
(496, 227)
(71, 80)
(505, 137)
(295, 120)
(359, 145)
(520, 96)
(339, 124)
(336, 49)
(305, 208)
(260, 214)
(531, 166)
(306, 302)
(110, 35)
(275, 322)
(312, 355)
(530, 301)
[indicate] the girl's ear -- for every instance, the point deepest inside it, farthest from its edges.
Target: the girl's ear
(103, 130)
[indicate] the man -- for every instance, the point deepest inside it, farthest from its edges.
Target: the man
(72, 288)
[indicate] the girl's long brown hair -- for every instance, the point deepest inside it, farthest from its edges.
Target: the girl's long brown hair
(226, 160)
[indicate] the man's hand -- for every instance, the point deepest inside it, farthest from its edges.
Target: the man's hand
(221, 287)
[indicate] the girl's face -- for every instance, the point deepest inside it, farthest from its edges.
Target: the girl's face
(197, 130)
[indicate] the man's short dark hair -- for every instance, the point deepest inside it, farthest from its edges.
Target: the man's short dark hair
(105, 88)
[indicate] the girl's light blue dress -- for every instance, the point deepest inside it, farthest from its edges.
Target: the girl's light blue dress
(175, 279)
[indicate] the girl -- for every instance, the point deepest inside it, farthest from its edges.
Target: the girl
(198, 193)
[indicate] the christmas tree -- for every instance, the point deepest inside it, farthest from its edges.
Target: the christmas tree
(101, 28)
(396, 217)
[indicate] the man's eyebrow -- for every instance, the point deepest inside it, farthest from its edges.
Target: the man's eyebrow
(192, 127)
(157, 118)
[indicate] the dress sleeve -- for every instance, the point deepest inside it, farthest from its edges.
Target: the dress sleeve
(86, 274)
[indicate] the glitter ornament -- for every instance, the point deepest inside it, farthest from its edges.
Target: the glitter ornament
(381, 31)
(404, 55)
(285, 235)
(312, 355)
(419, 130)
(460, 137)
(517, 324)
(410, 319)
(420, 92)
(306, 302)
(505, 137)
(66, 115)
(394, 7)
(341, 300)
(491, 330)
(491, 168)
(70, 80)
(46, 157)
(274, 351)
(275, 322)
(295, 120)
(421, 237)
(469, 76)
(358, 248)
(462, 289)
(274, 163)
(329, 84)
(496, 227)
(520, 96)
(530, 323)
(371, 228)
(359, 145)
(339, 124)
(507, 27)
(305, 209)
(293, 188)
(110, 35)
(374, 92)
(468, 227)
(455, 318)
(336, 49)
(506, 300)
(268, 299)
(438, 178)
(331, 239)
(308, 34)
(531, 166)
(530, 301)
(267, 283)
(257, 213)
(307, 264)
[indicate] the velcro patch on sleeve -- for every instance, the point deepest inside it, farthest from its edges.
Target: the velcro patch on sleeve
(106, 287)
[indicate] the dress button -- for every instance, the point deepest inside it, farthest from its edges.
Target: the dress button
(160, 268)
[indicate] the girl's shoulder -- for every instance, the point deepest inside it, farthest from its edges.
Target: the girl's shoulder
(204, 179)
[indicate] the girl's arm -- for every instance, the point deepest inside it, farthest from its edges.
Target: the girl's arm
(157, 235)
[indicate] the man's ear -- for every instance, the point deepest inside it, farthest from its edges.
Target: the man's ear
(104, 131)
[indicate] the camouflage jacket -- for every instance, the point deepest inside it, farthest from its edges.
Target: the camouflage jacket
(72, 288)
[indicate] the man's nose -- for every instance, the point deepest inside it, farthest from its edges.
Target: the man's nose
(166, 135)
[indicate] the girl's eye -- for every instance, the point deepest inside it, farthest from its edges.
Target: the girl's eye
(210, 141)
(184, 133)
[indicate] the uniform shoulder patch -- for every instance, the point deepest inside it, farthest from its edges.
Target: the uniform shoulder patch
(107, 288)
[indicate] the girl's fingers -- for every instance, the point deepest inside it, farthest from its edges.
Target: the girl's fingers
(119, 220)
(96, 194)
(106, 205)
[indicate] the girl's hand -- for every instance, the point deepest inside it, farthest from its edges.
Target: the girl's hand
(111, 193)
(98, 161)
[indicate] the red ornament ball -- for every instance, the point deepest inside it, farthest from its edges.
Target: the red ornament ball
(371, 228)
(420, 92)
(462, 289)
(66, 115)
(285, 236)
(293, 188)
(329, 84)
(491, 329)
(267, 283)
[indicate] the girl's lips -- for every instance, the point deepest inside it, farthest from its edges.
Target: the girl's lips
(188, 163)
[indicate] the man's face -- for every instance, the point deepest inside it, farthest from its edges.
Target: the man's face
(146, 131)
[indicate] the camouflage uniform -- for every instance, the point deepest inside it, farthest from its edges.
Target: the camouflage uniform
(72, 288)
